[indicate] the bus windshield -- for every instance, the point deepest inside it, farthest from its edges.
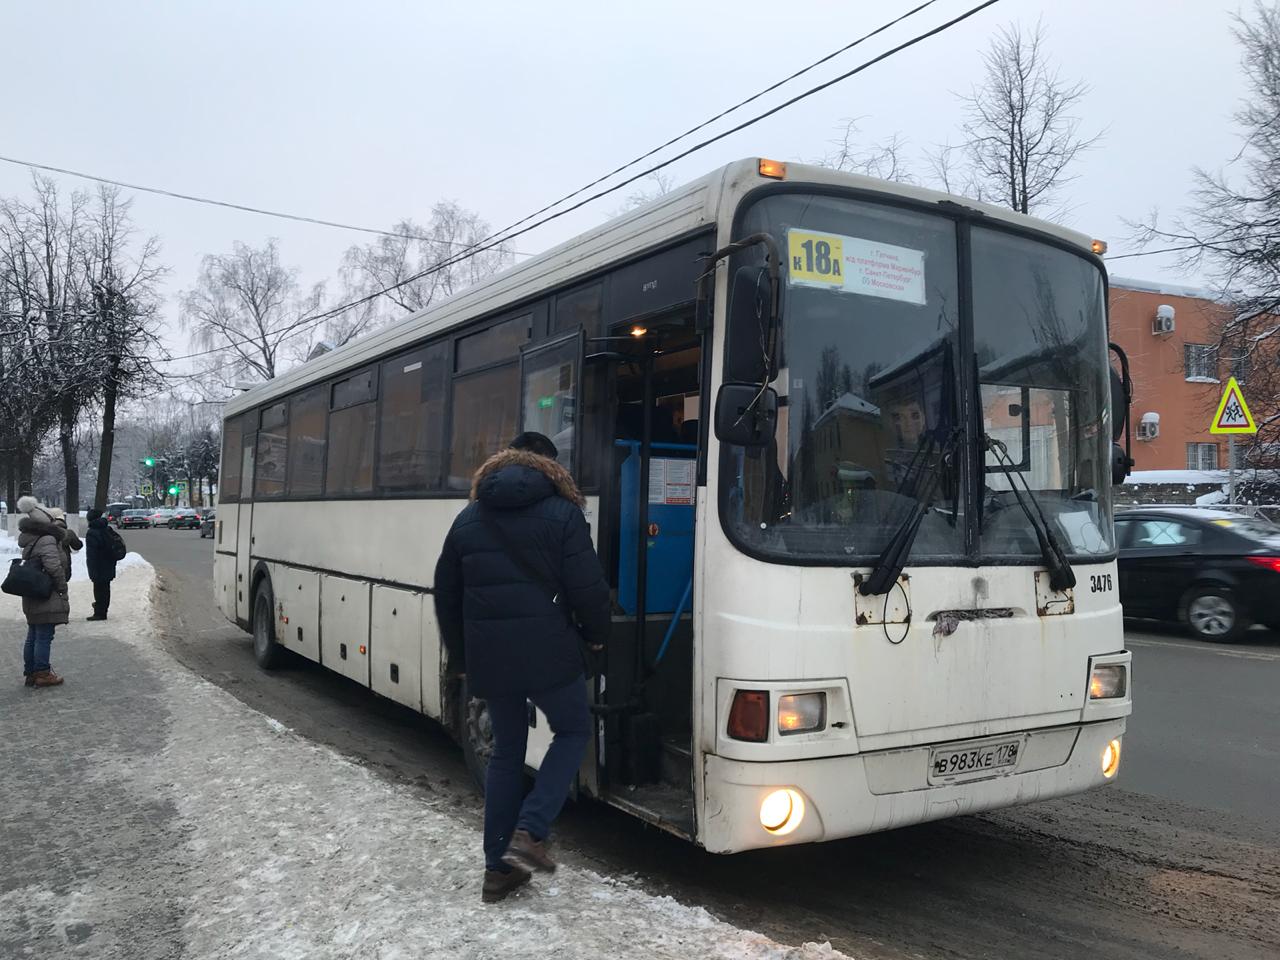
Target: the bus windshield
(875, 356)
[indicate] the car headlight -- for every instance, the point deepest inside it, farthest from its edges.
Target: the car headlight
(802, 713)
(1107, 681)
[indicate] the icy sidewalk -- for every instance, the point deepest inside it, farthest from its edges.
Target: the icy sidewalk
(180, 822)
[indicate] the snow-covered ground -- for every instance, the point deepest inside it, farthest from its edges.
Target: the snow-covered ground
(290, 851)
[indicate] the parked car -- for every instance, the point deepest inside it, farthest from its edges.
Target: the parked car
(160, 517)
(113, 512)
(185, 518)
(207, 521)
(136, 518)
(1216, 571)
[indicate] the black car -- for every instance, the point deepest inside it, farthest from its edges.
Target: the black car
(207, 521)
(1217, 572)
(185, 518)
(114, 511)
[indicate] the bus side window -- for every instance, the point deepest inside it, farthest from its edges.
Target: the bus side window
(351, 429)
(485, 414)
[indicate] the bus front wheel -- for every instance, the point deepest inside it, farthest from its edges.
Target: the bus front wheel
(266, 651)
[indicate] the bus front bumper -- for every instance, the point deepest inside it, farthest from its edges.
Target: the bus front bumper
(866, 793)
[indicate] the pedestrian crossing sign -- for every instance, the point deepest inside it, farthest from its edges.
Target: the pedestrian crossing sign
(1233, 414)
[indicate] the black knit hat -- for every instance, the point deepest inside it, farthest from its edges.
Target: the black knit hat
(536, 443)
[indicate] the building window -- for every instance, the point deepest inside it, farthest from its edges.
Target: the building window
(484, 420)
(269, 460)
(307, 413)
(1202, 456)
(1240, 368)
(1200, 361)
(411, 420)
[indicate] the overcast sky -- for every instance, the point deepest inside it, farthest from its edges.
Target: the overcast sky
(370, 112)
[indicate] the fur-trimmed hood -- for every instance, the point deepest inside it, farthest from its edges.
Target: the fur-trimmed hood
(30, 530)
(515, 478)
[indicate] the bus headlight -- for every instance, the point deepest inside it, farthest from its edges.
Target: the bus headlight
(1111, 759)
(802, 713)
(782, 811)
(1107, 681)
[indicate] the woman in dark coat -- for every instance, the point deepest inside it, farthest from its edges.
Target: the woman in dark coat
(40, 538)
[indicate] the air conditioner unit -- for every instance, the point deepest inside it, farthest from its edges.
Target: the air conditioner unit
(1149, 426)
(1163, 321)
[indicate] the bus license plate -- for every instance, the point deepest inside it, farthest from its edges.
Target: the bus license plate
(951, 762)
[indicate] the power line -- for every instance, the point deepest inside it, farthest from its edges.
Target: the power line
(724, 113)
(509, 232)
(159, 191)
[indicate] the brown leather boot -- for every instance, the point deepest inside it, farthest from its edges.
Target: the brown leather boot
(524, 851)
(47, 678)
(497, 885)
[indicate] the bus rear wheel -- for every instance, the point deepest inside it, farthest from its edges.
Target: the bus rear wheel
(266, 651)
(475, 730)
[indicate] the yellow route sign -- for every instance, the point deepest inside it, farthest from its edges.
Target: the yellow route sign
(1233, 414)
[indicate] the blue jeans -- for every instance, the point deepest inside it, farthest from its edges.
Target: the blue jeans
(35, 652)
(506, 809)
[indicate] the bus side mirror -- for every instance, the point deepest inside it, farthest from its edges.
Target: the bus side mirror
(1119, 406)
(750, 321)
(746, 414)
(1121, 464)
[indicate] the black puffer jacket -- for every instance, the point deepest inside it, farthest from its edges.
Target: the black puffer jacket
(99, 558)
(514, 638)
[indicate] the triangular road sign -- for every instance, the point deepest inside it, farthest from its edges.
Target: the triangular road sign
(1233, 414)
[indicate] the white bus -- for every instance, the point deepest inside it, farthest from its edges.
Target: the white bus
(848, 451)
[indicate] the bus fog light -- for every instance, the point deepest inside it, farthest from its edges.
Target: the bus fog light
(1111, 759)
(802, 713)
(782, 811)
(1107, 681)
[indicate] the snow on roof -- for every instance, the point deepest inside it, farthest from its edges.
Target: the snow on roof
(1177, 476)
(851, 404)
(1168, 289)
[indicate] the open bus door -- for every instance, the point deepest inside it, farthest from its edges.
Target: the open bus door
(550, 404)
(244, 524)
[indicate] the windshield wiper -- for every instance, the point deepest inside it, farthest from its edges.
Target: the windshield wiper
(926, 475)
(1061, 576)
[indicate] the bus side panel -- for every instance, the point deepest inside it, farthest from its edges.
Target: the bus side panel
(395, 645)
(344, 631)
(297, 595)
(224, 583)
(432, 661)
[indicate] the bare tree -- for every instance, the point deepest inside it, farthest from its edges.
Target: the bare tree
(395, 275)
(655, 185)
(243, 309)
(125, 324)
(1021, 134)
(885, 159)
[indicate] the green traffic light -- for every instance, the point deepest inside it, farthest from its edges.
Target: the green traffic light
(150, 461)
(173, 491)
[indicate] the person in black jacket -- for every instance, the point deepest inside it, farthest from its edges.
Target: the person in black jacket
(102, 546)
(520, 595)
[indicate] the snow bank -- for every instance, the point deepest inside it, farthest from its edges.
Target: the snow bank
(79, 568)
(1177, 476)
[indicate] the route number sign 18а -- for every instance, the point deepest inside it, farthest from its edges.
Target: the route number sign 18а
(1233, 414)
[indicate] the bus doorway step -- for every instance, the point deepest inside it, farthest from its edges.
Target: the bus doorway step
(664, 805)
(677, 761)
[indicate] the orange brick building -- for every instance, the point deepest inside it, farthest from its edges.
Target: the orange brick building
(1170, 334)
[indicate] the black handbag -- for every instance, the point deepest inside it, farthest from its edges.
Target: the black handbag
(26, 578)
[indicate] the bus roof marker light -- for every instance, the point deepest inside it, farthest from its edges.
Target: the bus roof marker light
(782, 811)
(774, 169)
(639, 332)
(1099, 247)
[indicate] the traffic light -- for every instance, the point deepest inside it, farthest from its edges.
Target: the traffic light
(150, 461)
(173, 491)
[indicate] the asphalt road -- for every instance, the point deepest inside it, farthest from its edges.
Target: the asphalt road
(1180, 859)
